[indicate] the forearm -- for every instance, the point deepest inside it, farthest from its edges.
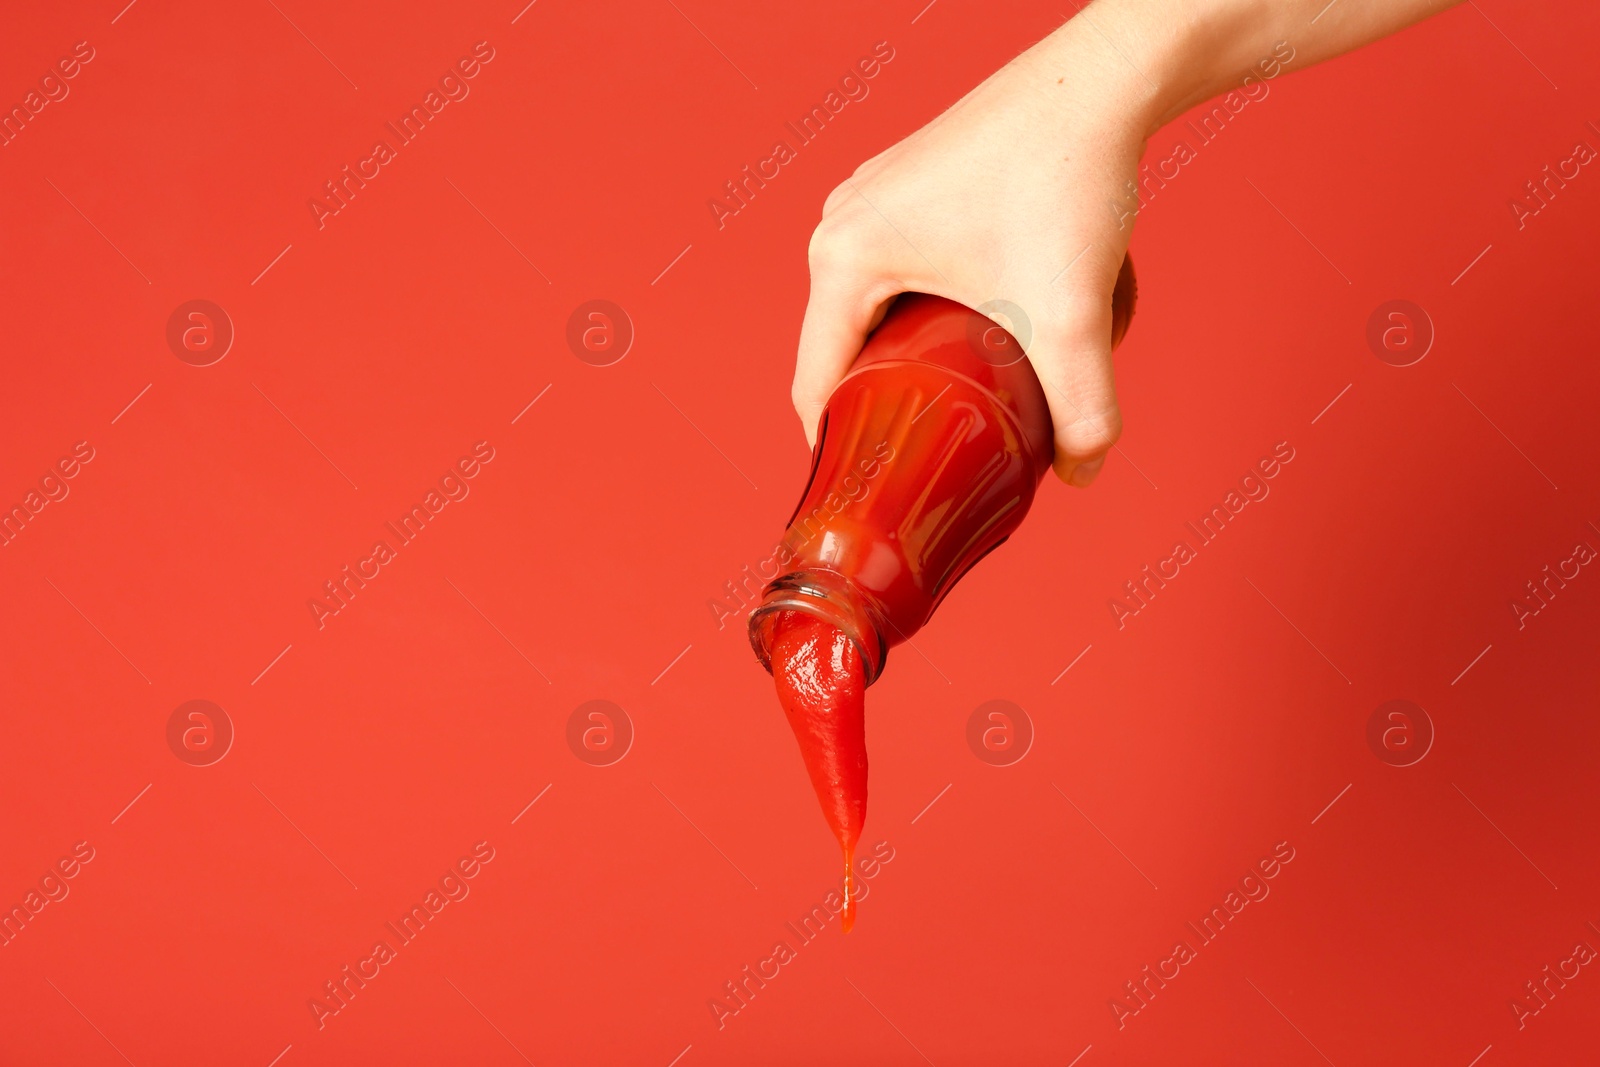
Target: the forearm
(1161, 57)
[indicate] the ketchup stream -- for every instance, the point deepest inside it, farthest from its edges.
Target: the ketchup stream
(822, 687)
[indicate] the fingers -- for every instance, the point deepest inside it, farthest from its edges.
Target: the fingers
(846, 303)
(1072, 356)
(859, 263)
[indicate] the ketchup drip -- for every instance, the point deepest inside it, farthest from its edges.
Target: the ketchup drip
(822, 687)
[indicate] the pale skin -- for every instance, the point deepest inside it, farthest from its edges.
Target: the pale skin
(1012, 193)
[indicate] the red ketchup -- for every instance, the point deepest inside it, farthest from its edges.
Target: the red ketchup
(822, 687)
(927, 458)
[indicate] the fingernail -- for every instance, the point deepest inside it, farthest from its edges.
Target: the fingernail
(1084, 473)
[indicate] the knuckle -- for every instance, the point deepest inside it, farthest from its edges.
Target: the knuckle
(845, 237)
(840, 194)
(835, 242)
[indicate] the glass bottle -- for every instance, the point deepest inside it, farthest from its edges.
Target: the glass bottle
(928, 456)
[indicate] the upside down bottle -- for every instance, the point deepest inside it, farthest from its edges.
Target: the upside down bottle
(928, 456)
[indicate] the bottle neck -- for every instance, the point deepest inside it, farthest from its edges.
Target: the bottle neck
(827, 596)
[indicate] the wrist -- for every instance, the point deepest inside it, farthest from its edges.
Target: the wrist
(1157, 61)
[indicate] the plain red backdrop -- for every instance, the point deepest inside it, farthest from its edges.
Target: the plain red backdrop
(374, 752)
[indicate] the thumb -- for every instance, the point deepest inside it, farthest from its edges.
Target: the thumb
(1071, 354)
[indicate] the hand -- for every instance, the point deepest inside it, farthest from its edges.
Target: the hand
(1006, 196)
(1024, 192)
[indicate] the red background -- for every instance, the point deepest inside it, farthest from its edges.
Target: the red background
(378, 750)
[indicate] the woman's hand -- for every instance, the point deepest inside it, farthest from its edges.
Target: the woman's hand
(1019, 201)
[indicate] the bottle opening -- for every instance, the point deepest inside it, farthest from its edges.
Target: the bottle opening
(826, 596)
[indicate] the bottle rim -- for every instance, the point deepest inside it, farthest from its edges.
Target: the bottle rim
(829, 597)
